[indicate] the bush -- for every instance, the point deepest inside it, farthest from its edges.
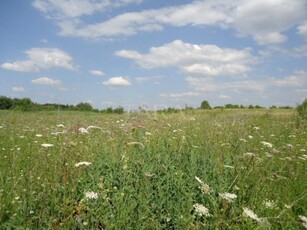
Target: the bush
(302, 109)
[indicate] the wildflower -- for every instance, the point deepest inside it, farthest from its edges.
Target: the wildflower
(249, 154)
(83, 163)
(201, 210)
(269, 204)
(93, 127)
(136, 143)
(228, 196)
(39, 135)
(289, 146)
(91, 195)
(1, 127)
(267, 144)
(47, 145)
(304, 220)
(256, 128)
(205, 189)
(250, 136)
(192, 119)
(60, 126)
(242, 139)
(148, 134)
(83, 130)
(302, 150)
(249, 213)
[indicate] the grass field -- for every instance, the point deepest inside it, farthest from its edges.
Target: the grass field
(230, 169)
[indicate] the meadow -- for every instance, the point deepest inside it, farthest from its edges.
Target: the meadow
(197, 169)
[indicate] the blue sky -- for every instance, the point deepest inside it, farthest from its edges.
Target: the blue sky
(154, 53)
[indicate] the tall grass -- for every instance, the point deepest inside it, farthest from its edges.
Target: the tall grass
(144, 169)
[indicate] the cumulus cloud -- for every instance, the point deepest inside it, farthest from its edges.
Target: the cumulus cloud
(46, 81)
(117, 81)
(60, 9)
(209, 85)
(298, 79)
(18, 89)
(264, 20)
(302, 29)
(41, 58)
(206, 60)
(97, 72)
(178, 95)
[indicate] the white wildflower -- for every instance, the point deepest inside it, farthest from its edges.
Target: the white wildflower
(192, 119)
(201, 210)
(60, 126)
(83, 130)
(46, 145)
(91, 195)
(256, 128)
(83, 163)
(148, 134)
(205, 189)
(302, 150)
(93, 127)
(243, 140)
(250, 136)
(39, 135)
(289, 146)
(304, 220)
(249, 213)
(267, 144)
(292, 136)
(1, 127)
(228, 196)
(135, 143)
(269, 204)
(249, 154)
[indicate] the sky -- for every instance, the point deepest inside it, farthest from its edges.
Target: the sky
(154, 53)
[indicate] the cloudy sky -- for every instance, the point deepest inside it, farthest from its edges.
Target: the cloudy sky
(154, 53)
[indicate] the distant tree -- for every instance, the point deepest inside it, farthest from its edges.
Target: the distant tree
(205, 105)
(251, 107)
(302, 109)
(273, 107)
(84, 106)
(5, 102)
(24, 104)
(119, 110)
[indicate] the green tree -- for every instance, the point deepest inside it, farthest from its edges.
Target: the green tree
(205, 105)
(84, 106)
(5, 102)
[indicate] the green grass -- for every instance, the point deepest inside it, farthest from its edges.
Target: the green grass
(152, 187)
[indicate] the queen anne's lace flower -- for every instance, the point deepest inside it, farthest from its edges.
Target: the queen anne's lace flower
(91, 195)
(201, 210)
(228, 196)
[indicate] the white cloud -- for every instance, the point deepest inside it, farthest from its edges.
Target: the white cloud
(302, 29)
(46, 81)
(206, 60)
(178, 95)
(209, 85)
(60, 9)
(300, 51)
(298, 79)
(222, 96)
(41, 58)
(264, 20)
(18, 89)
(117, 81)
(97, 72)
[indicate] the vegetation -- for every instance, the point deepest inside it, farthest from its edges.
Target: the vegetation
(194, 169)
(205, 105)
(302, 109)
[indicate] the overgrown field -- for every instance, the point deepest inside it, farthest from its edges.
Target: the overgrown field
(231, 169)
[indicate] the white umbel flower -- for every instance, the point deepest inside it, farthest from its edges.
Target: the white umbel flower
(267, 144)
(228, 196)
(249, 213)
(91, 195)
(47, 145)
(201, 210)
(83, 163)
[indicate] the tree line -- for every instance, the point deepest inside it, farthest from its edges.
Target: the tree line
(25, 104)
